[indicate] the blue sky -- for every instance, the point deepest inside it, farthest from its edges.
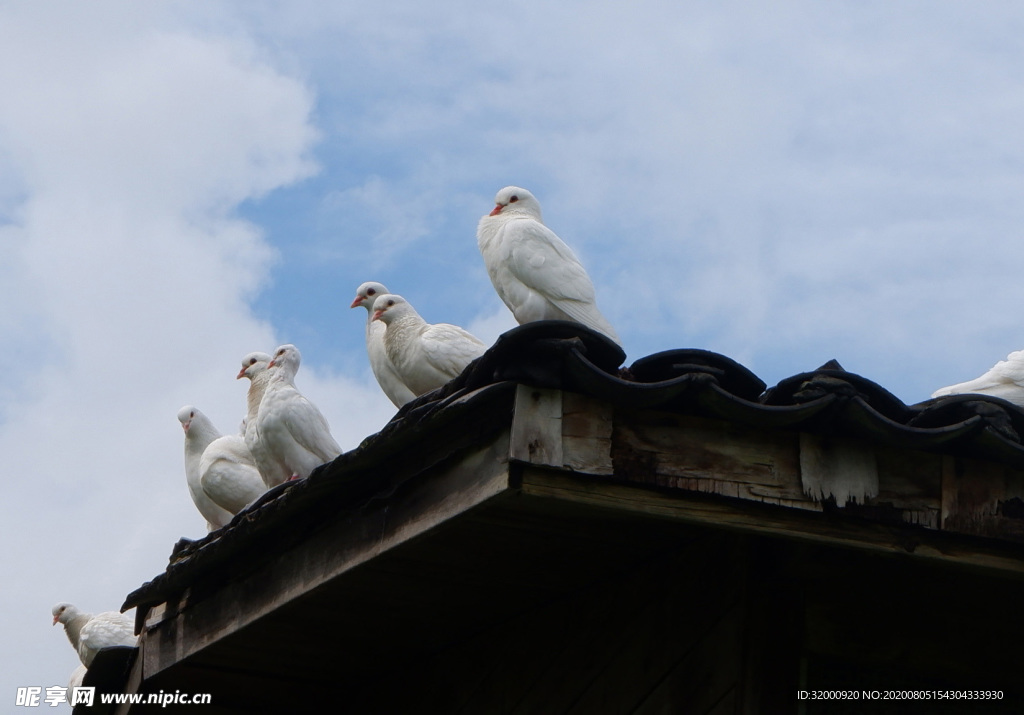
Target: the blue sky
(181, 185)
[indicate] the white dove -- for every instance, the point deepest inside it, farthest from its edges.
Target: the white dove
(534, 272)
(89, 633)
(255, 368)
(293, 431)
(1005, 380)
(199, 434)
(76, 679)
(425, 356)
(229, 475)
(383, 370)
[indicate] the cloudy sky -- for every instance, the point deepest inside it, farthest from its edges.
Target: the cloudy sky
(182, 183)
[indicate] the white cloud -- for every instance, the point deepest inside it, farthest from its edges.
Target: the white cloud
(131, 140)
(754, 178)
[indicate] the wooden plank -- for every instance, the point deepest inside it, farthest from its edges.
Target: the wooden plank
(537, 426)
(340, 547)
(973, 497)
(910, 483)
(156, 614)
(587, 425)
(761, 519)
(707, 455)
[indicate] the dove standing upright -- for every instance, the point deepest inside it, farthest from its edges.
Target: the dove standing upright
(255, 368)
(89, 633)
(199, 434)
(381, 365)
(534, 272)
(1005, 379)
(425, 356)
(291, 428)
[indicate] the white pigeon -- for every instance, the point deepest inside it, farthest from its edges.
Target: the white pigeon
(255, 368)
(426, 356)
(89, 633)
(534, 272)
(76, 679)
(229, 475)
(199, 434)
(293, 431)
(1005, 380)
(383, 370)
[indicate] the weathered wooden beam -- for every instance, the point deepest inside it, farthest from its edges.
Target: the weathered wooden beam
(974, 497)
(537, 426)
(909, 485)
(772, 466)
(708, 455)
(795, 470)
(779, 522)
(587, 426)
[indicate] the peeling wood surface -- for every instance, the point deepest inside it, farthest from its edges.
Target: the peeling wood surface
(706, 455)
(842, 469)
(974, 497)
(587, 425)
(909, 485)
(788, 469)
(537, 426)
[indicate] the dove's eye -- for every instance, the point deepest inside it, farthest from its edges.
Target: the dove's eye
(370, 291)
(513, 199)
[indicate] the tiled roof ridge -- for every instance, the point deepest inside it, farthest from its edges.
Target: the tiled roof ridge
(569, 356)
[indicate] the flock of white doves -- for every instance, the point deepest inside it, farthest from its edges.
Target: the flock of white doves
(284, 436)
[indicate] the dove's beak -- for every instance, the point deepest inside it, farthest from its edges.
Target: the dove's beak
(377, 314)
(497, 210)
(241, 374)
(55, 619)
(357, 302)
